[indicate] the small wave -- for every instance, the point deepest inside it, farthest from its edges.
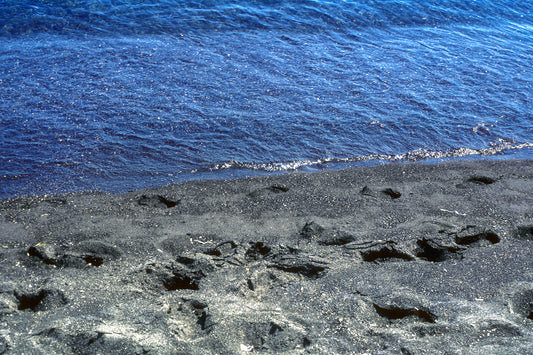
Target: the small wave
(175, 17)
(416, 155)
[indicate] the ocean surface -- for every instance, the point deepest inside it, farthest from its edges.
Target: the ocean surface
(117, 95)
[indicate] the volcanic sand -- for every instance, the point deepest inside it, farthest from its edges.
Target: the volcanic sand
(398, 258)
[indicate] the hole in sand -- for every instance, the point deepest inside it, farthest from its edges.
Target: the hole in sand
(41, 300)
(399, 313)
(184, 260)
(213, 252)
(250, 285)
(93, 260)
(492, 237)
(384, 254)
(274, 328)
(41, 252)
(278, 188)
(257, 250)
(200, 310)
(31, 301)
(431, 251)
(156, 201)
(481, 180)
(392, 193)
(168, 203)
(181, 282)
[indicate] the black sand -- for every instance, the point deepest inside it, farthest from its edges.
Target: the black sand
(412, 259)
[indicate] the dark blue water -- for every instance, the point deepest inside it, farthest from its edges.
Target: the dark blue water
(117, 95)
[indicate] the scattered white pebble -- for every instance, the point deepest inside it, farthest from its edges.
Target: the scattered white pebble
(457, 213)
(247, 348)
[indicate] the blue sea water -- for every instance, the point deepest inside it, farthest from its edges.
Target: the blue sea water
(117, 95)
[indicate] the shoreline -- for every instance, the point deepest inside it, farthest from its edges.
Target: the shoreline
(408, 257)
(238, 170)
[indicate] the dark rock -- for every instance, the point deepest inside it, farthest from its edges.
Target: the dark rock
(201, 312)
(95, 252)
(476, 180)
(272, 337)
(228, 253)
(224, 250)
(182, 279)
(281, 339)
(99, 249)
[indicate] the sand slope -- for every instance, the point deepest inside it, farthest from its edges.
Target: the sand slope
(406, 258)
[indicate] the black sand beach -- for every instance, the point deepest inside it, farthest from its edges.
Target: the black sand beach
(393, 259)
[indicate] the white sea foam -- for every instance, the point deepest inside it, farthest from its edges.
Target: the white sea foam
(415, 155)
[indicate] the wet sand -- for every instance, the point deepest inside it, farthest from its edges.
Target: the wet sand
(399, 258)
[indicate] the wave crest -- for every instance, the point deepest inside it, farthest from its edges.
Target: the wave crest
(415, 155)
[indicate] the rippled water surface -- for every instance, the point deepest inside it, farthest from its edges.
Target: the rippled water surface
(118, 95)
